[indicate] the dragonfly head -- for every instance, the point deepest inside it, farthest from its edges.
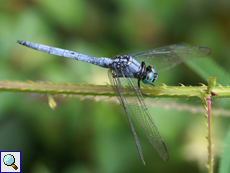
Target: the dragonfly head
(151, 75)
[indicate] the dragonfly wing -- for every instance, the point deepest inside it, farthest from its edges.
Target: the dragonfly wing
(167, 57)
(119, 90)
(132, 100)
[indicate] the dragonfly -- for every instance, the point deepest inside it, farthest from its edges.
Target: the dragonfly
(129, 70)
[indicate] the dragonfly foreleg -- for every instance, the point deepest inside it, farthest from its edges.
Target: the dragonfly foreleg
(142, 92)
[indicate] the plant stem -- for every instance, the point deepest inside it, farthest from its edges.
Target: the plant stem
(209, 94)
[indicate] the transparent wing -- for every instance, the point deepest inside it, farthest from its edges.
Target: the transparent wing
(167, 57)
(134, 105)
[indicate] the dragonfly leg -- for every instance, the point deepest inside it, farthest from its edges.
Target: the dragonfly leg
(117, 75)
(142, 92)
(151, 84)
(147, 95)
(143, 65)
(139, 76)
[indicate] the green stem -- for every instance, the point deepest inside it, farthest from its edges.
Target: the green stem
(106, 90)
(209, 94)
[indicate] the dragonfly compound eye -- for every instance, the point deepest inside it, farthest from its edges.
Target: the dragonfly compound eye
(148, 78)
(155, 77)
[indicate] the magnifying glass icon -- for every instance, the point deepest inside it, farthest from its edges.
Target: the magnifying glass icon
(9, 160)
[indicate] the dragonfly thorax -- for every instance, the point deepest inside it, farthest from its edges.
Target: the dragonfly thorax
(120, 62)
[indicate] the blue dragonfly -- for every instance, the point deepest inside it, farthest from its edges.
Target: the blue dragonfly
(129, 70)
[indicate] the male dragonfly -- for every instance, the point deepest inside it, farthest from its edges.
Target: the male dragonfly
(128, 70)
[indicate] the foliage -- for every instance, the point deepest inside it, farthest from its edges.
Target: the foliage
(225, 157)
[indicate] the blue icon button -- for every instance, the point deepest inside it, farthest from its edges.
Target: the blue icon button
(9, 160)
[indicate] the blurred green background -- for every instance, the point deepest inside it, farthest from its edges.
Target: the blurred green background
(88, 136)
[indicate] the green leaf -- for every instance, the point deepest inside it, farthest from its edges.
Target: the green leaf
(206, 67)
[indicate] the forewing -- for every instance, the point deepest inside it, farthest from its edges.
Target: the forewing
(167, 57)
(135, 105)
(116, 84)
